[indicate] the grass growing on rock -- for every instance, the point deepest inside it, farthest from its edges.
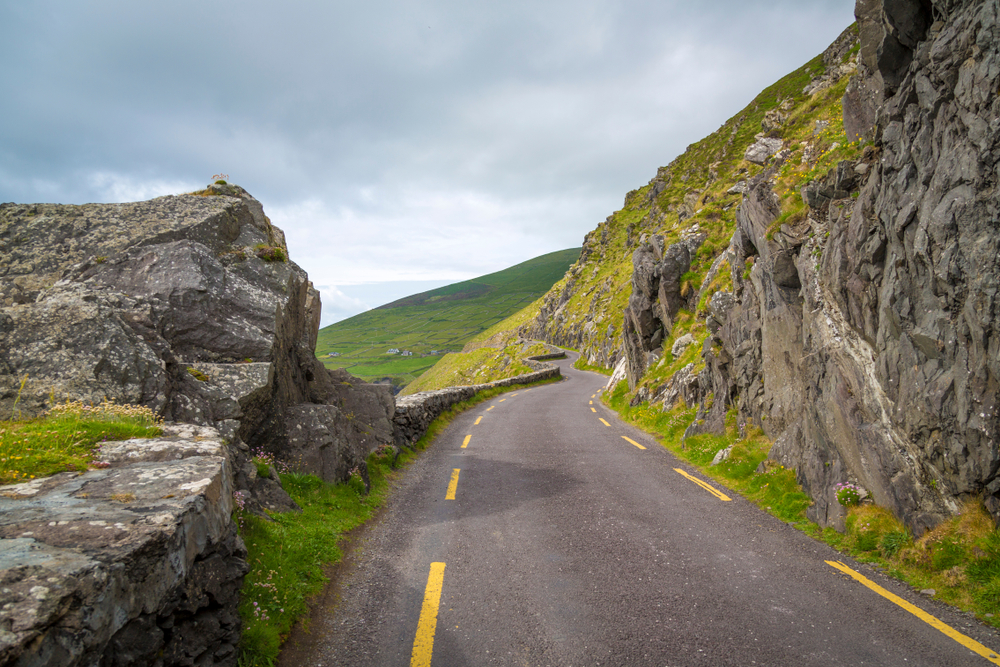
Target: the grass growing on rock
(289, 553)
(959, 559)
(68, 438)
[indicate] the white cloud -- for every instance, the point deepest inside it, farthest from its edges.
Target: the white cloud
(111, 187)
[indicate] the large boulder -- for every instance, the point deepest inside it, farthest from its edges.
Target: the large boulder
(186, 304)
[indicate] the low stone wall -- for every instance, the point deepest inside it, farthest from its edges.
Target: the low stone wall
(136, 564)
(415, 413)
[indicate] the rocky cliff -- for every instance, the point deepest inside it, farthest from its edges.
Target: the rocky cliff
(186, 304)
(190, 306)
(838, 271)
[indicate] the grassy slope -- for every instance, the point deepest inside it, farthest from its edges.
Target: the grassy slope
(599, 283)
(442, 319)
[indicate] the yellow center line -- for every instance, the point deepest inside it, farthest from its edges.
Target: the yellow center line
(423, 643)
(593, 409)
(453, 484)
(593, 395)
(513, 395)
(705, 485)
(490, 408)
(627, 439)
(591, 402)
(466, 442)
(478, 419)
(602, 420)
(967, 642)
(501, 400)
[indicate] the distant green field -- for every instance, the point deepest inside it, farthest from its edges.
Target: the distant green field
(440, 320)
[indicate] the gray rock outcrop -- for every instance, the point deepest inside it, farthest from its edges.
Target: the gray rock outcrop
(188, 305)
(864, 342)
(658, 292)
(135, 564)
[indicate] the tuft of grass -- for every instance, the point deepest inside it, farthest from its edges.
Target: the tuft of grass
(196, 374)
(270, 253)
(68, 438)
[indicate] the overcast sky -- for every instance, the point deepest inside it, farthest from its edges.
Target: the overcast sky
(400, 145)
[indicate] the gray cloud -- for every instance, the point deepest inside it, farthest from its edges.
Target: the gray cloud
(428, 140)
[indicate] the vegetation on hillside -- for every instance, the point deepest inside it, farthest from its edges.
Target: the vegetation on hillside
(439, 321)
(693, 194)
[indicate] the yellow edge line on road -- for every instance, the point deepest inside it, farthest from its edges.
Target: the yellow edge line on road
(478, 419)
(967, 642)
(453, 484)
(423, 644)
(705, 485)
(627, 439)
(465, 443)
(602, 420)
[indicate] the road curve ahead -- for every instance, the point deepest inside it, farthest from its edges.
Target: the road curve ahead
(540, 530)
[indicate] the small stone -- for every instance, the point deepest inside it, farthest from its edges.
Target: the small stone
(929, 592)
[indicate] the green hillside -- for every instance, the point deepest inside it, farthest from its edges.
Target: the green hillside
(694, 193)
(432, 323)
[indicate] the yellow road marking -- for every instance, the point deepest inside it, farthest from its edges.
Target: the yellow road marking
(478, 419)
(591, 402)
(602, 421)
(593, 410)
(466, 442)
(967, 642)
(423, 644)
(501, 400)
(513, 395)
(453, 484)
(705, 485)
(593, 395)
(490, 408)
(627, 439)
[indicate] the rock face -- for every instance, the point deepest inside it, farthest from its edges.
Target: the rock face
(865, 341)
(136, 564)
(186, 304)
(658, 292)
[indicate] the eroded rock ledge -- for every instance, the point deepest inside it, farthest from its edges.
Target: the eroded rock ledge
(136, 564)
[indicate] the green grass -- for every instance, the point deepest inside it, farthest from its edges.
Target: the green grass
(444, 320)
(288, 555)
(68, 438)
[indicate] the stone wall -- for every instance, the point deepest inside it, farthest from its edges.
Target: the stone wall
(135, 564)
(414, 413)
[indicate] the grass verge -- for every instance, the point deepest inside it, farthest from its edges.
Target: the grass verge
(288, 554)
(68, 438)
(959, 559)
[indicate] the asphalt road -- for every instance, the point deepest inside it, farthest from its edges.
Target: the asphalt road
(565, 544)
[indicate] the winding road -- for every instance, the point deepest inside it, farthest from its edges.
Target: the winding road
(539, 529)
